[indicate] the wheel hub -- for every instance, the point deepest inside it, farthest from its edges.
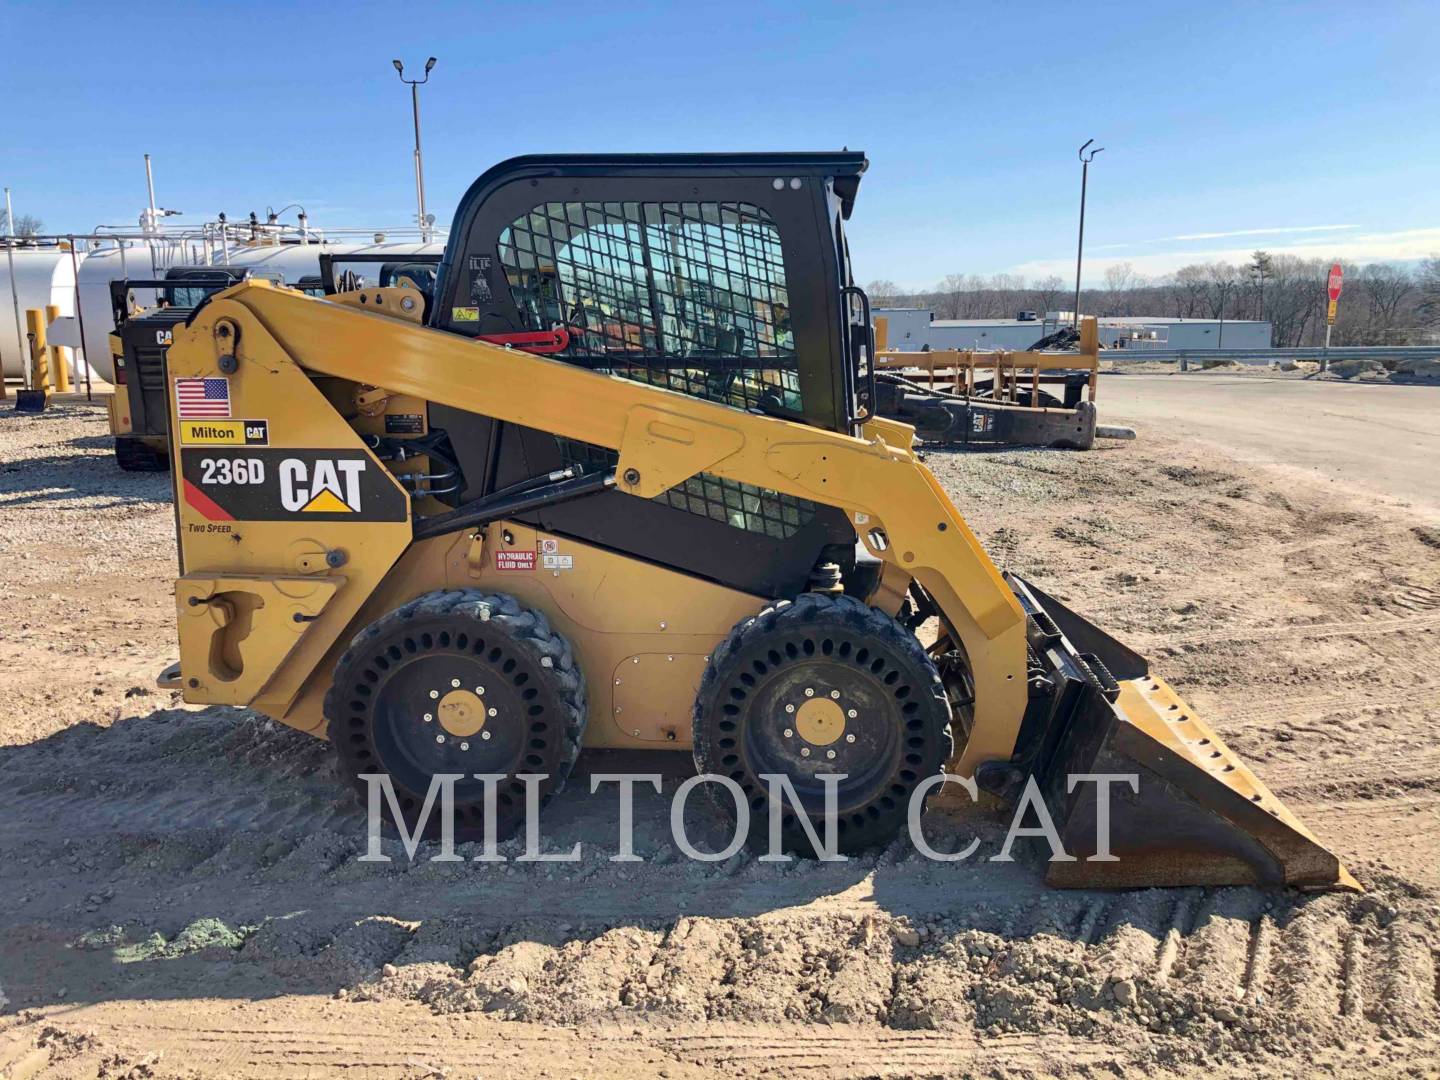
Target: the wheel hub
(820, 721)
(461, 713)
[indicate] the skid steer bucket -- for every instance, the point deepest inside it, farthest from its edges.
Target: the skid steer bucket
(1197, 814)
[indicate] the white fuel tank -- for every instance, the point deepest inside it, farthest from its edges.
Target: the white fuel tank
(42, 277)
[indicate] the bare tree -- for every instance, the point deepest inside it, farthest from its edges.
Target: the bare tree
(1288, 289)
(1429, 306)
(883, 293)
(973, 303)
(1384, 288)
(1120, 279)
(25, 224)
(1007, 293)
(1261, 269)
(1190, 290)
(1221, 282)
(948, 301)
(1047, 292)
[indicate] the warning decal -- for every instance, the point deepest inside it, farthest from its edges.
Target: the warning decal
(480, 280)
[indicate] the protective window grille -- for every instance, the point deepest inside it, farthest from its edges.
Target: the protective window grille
(689, 296)
(742, 506)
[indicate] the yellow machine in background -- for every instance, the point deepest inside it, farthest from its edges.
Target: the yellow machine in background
(458, 537)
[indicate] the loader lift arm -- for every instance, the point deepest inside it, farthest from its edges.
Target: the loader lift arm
(664, 437)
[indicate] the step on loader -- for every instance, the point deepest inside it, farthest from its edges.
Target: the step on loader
(616, 480)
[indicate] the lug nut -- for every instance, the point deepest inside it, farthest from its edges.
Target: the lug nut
(835, 694)
(789, 733)
(479, 689)
(440, 738)
(809, 691)
(429, 717)
(493, 712)
(434, 694)
(485, 735)
(851, 713)
(830, 754)
(455, 683)
(789, 708)
(464, 746)
(804, 751)
(849, 738)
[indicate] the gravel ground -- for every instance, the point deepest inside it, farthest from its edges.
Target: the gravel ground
(182, 897)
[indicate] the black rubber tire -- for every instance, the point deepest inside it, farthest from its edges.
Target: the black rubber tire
(823, 641)
(487, 635)
(135, 455)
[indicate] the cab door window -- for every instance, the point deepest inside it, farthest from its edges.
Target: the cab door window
(687, 295)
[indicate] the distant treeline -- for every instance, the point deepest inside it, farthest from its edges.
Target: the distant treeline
(1383, 303)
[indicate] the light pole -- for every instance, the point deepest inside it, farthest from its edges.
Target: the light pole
(414, 85)
(1085, 160)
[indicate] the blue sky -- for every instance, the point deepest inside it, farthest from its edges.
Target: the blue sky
(1312, 128)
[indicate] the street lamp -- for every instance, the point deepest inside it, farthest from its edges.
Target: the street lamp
(414, 85)
(1257, 278)
(1085, 160)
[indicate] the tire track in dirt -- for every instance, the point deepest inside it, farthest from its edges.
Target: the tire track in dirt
(1235, 967)
(1358, 628)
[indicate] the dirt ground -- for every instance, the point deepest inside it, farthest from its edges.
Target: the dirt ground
(1369, 437)
(180, 894)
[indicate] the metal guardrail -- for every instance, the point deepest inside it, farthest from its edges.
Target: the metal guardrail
(1270, 356)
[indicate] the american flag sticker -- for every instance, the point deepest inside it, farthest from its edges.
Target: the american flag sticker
(202, 399)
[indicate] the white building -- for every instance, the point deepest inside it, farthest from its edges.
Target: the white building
(907, 328)
(912, 329)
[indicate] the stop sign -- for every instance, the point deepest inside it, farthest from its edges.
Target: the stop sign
(1335, 282)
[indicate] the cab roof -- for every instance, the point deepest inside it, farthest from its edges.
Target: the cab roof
(845, 167)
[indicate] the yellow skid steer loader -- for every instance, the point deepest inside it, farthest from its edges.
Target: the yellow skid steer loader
(616, 480)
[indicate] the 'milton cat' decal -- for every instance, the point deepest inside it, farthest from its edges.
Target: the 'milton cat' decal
(287, 485)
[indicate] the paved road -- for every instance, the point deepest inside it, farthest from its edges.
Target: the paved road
(1374, 437)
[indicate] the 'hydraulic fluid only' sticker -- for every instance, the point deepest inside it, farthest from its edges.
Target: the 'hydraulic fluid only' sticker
(290, 485)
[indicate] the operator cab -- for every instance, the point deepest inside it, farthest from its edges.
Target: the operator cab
(724, 277)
